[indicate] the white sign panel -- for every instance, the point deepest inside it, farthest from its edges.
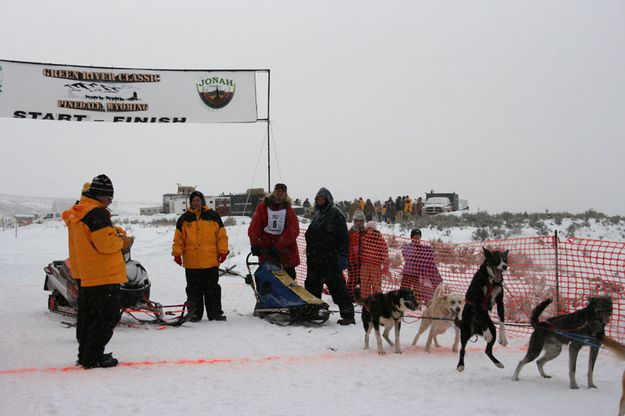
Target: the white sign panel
(79, 93)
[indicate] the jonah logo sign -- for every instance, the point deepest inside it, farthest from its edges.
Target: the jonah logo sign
(216, 92)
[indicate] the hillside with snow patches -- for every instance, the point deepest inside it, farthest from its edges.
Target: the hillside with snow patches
(452, 227)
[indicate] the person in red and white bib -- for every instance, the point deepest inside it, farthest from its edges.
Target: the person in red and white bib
(274, 229)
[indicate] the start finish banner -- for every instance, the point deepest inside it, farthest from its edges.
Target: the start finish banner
(125, 95)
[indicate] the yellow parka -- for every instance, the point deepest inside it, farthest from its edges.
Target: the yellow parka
(408, 205)
(199, 238)
(95, 249)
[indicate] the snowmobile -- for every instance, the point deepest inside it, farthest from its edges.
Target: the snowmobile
(135, 295)
(279, 299)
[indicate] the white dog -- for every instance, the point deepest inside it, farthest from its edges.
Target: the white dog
(439, 317)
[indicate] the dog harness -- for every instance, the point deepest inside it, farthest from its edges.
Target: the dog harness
(484, 303)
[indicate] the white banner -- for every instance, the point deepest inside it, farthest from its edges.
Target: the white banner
(80, 93)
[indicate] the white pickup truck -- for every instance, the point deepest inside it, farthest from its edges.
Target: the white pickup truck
(438, 205)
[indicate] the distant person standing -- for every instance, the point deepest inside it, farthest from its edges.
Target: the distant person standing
(353, 207)
(399, 208)
(307, 208)
(369, 210)
(326, 254)
(361, 203)
(95, 255)
(200, 246)
(378, 210)
(274, 229)
(407, 207)
(419, 207)
(391, 211)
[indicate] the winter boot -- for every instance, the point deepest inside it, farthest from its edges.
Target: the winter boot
(107, 361)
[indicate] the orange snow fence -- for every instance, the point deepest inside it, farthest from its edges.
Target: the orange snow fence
(568, 271)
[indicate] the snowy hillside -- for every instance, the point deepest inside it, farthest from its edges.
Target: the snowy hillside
(246, 366)
(11, 205)
(453, 227)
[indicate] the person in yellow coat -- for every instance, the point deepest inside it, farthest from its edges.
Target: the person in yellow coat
(95, 255)
(408, 207)
(200, 245)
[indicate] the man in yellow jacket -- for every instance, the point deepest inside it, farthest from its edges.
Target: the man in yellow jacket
(200, 245)
(95, 254)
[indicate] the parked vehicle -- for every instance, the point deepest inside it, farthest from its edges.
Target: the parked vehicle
(135, 295)
(437, 205)
(437, 202)
(51, 216)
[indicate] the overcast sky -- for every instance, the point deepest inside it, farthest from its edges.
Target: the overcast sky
(515, 105)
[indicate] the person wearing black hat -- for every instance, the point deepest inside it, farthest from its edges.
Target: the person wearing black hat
(274, 230)
(327, 245)
(200, 246)
(95, 254)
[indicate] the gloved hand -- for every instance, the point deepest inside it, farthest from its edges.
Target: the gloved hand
(178, 260)
(274, 253)
(342, 262)
(256, 250)
(222, 257)
(128, 240)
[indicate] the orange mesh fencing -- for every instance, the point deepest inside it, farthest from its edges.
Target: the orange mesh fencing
(538, 267)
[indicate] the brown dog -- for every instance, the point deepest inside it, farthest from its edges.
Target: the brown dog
(439, 317)
(619, 349)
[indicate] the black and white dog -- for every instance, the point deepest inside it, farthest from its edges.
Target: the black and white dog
(386, 309)
(584, 326)
(485, 290)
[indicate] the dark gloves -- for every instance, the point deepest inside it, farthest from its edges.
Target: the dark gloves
(222, 257)
(274, 253)
(178, 260)
(342, 262)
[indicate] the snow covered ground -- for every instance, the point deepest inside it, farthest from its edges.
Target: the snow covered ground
(247, 366)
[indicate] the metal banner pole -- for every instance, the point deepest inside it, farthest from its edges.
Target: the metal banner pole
(268, 131)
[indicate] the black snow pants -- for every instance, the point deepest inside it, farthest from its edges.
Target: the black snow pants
(203, 290)
(329, 273)
(99, 310)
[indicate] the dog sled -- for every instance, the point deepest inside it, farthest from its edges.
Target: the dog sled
(279, 299)
(135, 295)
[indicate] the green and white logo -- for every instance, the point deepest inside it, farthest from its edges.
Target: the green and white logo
(216, 92)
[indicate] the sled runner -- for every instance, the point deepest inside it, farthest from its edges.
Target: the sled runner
(135, 295)
(279, 299)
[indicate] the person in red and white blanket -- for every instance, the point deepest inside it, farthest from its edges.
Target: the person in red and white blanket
(354, 261)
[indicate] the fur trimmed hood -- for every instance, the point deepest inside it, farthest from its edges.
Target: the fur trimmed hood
(270, 201)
